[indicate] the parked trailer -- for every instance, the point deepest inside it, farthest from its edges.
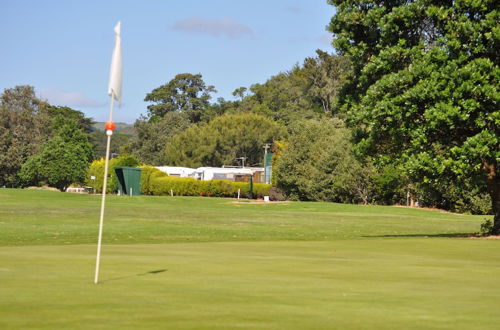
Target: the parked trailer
(206, 173)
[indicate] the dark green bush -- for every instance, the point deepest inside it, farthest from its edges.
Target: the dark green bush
(486, 227)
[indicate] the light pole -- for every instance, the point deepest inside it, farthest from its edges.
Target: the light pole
(266, 146)
(242, 161)
(266, 167)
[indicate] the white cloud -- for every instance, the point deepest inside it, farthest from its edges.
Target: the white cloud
(59, 97)
(213, 27)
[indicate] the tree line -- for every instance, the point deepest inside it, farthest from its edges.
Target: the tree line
(405, 110)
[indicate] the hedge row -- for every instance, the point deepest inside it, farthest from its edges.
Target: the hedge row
(96, 170)
(149, 174)
(155, 182)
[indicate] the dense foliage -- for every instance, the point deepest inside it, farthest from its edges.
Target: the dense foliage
(153, 135)
(59, 116)
(63, 160)
(318, 164)
(24, 127)
(96, 170)
(165, 186)
(223, 140)
(120, 143)
(424, 92)
(186, 93)
(148, 175)
(41, 143)
(306, 91)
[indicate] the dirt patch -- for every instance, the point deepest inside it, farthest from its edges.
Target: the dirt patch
(42, 188)
(435, 209)
(491, 237)
(479, 236)
(256, 201)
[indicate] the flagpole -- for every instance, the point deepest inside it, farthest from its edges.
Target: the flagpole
(109, 133)
(114, 91)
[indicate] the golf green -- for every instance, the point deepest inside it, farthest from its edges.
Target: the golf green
(210, 264)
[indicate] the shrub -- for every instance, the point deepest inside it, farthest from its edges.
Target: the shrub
(96, 169)
(317, 164)
(219, 188)
(474, 203)
(163, 185)
(149, 174)
(486, 227)
(261, 189)
(62, 160)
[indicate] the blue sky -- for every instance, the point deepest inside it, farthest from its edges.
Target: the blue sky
(63, 47)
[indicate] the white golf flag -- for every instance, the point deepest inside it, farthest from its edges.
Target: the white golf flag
(115, 74)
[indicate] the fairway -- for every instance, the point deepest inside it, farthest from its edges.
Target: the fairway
(208, 263)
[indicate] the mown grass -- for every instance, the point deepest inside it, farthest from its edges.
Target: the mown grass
(46, 217)
(216, 265)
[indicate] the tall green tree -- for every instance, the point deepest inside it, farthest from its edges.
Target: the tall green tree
(119, 143)
(59, 115)
(24, 127)
(283, 97)
(306, 91)
(186, 93)
(62, 160)
(219, 108)
(240, 92)
(424, 89)
(326, 74)
(223, 140)
(318, 164)
(153, 135)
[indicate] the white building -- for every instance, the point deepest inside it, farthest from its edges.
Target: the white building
(182, 172)
(215, 173)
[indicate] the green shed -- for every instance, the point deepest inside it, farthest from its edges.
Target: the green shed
(129, 180)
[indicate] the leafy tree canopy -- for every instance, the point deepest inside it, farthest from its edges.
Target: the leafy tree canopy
(306, 91)
(186, 93)
(222, 140)
(424, 90)
(121, 142)
(62, 160)
(318, 164)
(326, 74)
(283, 97)
(24, 127)
(60, 115)
(153, 135)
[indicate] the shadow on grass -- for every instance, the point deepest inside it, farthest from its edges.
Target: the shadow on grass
(455, 235)
(130, 276)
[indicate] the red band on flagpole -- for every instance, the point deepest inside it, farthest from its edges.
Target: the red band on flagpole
(110, 126)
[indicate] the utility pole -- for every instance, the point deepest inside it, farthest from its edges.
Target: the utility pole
(266, 146)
